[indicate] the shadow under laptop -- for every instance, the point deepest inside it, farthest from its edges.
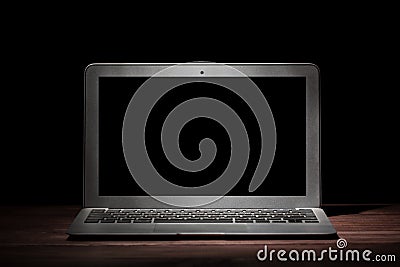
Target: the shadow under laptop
(346, 209)
(199, 237)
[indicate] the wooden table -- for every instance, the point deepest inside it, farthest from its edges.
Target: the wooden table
(35, 236)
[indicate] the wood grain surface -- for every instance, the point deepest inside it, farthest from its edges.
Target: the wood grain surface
(35, 236)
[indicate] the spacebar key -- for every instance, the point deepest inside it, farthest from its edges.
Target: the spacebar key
(192, 221)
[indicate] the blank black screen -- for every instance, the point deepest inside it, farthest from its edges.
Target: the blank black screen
(286, 97)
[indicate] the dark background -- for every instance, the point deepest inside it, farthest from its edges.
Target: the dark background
(42, 91)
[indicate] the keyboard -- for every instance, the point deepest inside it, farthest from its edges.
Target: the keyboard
(201, 216)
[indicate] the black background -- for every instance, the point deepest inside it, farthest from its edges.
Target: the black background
(44, 56)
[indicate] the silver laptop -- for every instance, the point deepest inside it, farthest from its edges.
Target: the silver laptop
(201, 148)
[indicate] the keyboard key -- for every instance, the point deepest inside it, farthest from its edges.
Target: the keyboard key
(108, 221)
(124, 221)
(141, 220)
(294, 220)
(261, 221)
(91, 220)
(243, 221)
(192, 221)
(97, 210)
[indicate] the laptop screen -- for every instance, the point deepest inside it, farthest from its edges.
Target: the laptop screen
(286, 97)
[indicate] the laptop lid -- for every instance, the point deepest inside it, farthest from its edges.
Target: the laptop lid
(128, 111)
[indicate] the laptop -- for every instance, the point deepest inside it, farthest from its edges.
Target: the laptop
(201, 149)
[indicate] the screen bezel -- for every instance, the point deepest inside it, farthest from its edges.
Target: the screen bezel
(91, 182)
